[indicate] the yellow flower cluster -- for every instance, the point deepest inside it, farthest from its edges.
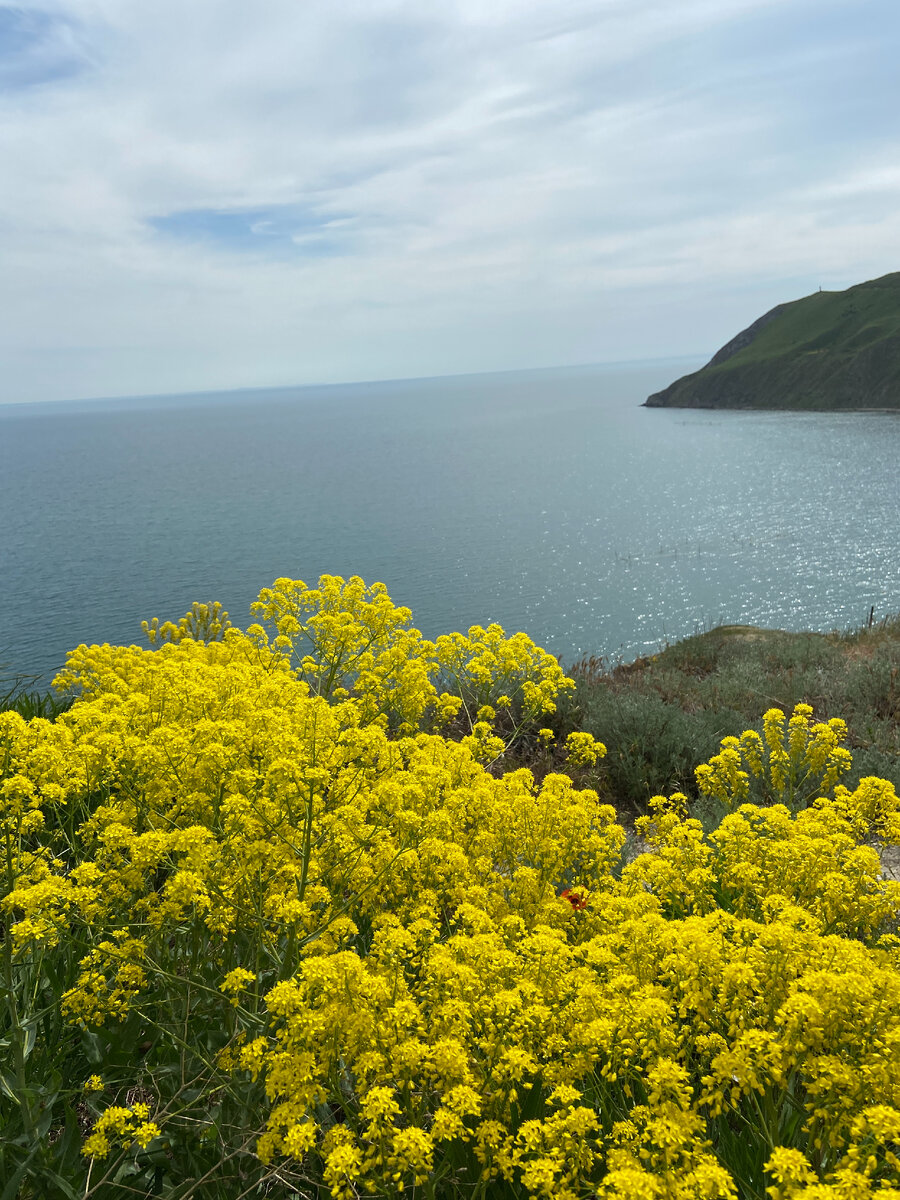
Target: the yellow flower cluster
(794, 769)
(120, 1124)
(434, 976)
(349, 640)
(201, 623)
(582, 750)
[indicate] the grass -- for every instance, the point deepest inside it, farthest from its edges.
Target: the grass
(663, 714)
(19, 694)
(835, 321)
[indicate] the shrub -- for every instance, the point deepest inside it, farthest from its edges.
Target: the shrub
(664, 713)
(269, 929)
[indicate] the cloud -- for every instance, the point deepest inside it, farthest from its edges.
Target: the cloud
(38, 46)
(222, 194)
(280, 230)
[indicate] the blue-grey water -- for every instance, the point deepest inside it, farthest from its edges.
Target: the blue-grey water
(548, 501)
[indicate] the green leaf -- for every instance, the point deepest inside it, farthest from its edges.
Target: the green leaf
(65, 1188)
(93, 1048)
(12, 1184)
(6, 1088)
(30, 1035)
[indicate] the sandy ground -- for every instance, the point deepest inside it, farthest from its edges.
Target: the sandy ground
(890, 863)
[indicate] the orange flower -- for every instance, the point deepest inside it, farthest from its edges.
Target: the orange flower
(576, 897)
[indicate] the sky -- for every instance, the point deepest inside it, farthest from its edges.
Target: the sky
(218, 194)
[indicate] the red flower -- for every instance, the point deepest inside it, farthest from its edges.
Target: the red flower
(575, 897)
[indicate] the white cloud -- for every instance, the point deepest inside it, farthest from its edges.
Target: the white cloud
(507, 184)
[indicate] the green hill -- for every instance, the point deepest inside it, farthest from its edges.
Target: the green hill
(828, 351)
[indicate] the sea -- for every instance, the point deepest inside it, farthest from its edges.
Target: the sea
(548, 501)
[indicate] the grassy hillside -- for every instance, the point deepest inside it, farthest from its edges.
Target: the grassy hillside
(662, 715)
(831, 350)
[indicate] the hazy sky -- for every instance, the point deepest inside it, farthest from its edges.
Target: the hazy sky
(217, 193)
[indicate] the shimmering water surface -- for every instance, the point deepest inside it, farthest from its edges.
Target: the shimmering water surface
(548, 501)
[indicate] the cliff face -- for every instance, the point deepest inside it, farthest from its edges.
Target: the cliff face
(829, 351)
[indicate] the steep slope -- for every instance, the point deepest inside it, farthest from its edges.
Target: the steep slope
(831, 350)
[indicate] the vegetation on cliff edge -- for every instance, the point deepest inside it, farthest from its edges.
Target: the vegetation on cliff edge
(282, 916)
(830, 350)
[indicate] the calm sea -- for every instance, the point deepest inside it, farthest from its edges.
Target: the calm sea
(548, 501)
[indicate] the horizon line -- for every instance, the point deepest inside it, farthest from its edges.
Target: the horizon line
(290, 387)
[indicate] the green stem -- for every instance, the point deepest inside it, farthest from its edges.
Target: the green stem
(307, 844)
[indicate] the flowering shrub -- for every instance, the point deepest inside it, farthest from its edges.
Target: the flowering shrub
(275, 923)
(793, 770)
